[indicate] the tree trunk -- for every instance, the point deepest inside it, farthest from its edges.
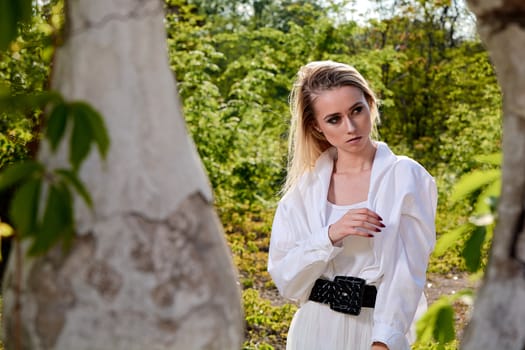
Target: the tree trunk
(149, 268)
(498, 320)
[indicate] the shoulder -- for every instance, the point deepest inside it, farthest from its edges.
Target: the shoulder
(293, 195)
(314, 178)
(399, 164)
(409, 166)
(412, 179)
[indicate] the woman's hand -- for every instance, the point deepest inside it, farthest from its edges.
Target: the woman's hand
(379, 346)
(358, 222)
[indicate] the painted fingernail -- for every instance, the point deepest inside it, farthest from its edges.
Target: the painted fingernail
(377, 230)
(370, 235)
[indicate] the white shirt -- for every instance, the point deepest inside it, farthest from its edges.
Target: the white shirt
(404, 195)
(357, 253)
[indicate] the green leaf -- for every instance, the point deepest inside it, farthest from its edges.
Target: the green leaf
(98, 127)
(23, 210)
(24, 10)
(80, 141)
(451, 238)
(437, 324)
(424, 327)
(56, 124)
(486, 202)
(57, 223)
(18, 172)
(5, 230)
(71, 178)
(444, 325)
(472, 251)
(427, 323)
(4, 91)
(494, 158)
(24, 102)
(472, 182)
(8, 18)
(11, 14)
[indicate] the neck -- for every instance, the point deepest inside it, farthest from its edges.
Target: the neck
(355, 162)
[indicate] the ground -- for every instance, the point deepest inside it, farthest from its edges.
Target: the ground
(448, 284)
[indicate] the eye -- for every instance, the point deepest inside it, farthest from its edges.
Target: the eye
(357, 110)
(332, 120)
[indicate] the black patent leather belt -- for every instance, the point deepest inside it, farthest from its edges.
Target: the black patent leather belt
(344, 294)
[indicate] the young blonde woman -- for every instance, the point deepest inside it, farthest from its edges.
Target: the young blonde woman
(354, 229)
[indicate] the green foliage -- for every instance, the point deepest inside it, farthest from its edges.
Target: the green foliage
(54, 222)
(24, 205)
(485, 184)
(474, 236)
(11, 14)
(265, 323)
(473, 181)
(88, 128)
(24, 70)
(435, 330)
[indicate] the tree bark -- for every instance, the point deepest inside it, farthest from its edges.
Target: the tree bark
(499, 311)
(149, 268)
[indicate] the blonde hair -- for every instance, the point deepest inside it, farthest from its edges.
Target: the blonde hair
(305, 143)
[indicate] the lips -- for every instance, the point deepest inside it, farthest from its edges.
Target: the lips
(354, 139)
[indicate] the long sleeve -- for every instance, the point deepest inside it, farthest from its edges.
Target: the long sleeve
(297, 256)
(406, 260)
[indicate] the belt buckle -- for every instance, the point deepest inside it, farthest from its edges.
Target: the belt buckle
(348, 295)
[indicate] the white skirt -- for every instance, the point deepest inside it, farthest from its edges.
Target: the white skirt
(316, 327)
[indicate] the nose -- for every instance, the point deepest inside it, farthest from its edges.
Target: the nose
(349, 125)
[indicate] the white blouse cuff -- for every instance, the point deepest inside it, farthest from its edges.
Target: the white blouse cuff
(327, 250)
(394, 339)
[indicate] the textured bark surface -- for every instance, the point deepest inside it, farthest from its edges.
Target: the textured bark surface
(499, 311)
(149, 268)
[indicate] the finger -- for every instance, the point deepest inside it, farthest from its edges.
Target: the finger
(359, 231)
(364, 211)
(364, 222)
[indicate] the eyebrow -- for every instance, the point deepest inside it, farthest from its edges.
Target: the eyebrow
(326, 117)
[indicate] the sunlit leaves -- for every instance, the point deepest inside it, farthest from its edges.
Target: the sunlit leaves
(451, 238)
(492, 159)
(474, 181)
(437, 324)
(474, 234)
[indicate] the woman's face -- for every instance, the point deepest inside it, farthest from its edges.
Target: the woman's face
(343, 116)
